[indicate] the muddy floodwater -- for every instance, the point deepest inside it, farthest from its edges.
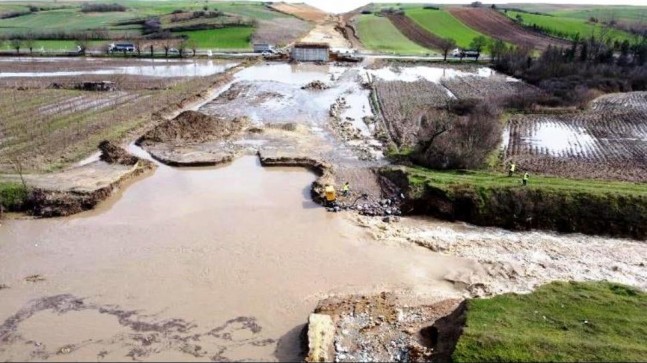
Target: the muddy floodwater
(194, 264)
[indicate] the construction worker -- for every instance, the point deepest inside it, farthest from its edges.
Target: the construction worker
(525, 179)
(512, 169)
(345, 189)
(331, 195)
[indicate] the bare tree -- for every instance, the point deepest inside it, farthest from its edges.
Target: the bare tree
(166, 44)
(181, 47)
(192, 45)
(138, 42)
(29, 42)
(16, 44)
(446, 45)
(82, 43)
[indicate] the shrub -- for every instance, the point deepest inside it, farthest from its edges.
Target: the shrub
(101, 8)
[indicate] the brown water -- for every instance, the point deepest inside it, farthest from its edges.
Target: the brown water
(194, 264)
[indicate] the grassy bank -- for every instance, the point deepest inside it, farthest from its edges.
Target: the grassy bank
(488, 199)
(561, 321)
(377, 33)
(12, 196)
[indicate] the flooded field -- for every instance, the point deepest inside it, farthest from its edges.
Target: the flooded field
(64, 67)
(194, 264)
(608, 141)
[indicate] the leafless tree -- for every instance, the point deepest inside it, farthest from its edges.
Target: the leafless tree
(16, 44)
(446, 45)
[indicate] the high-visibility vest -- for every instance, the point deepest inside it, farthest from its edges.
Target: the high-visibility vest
(345, 188)
(330, 193)
(512, 167)
(525, 176)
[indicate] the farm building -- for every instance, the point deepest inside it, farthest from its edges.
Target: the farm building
(311, 52)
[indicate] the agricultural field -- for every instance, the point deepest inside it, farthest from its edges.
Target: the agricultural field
(498, 26)
(225, 38)
(301, 11)
(481, 88)
(415, 32)
(66, 125)
(403, 103)
(268, 24)
(378, 33)
(604, 13)
(609, 141)
(561, 321)
(568, 27)
(444, 25)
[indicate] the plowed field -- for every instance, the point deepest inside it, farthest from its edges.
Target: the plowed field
(609, 141)
(402, 104)
(415, 32)
(302, 11)
(498, 26)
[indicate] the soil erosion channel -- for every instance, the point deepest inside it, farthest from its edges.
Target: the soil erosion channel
(209, 263)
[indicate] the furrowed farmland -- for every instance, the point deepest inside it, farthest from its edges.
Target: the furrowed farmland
(377, 33)
(444, 25)
(498, 26)
(609, 141)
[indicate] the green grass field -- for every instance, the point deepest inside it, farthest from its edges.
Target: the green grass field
(419, 175)
(570, 26)
(444, 25)
(378, 33)
(65, 19)
(71, 19)
(559, 322)
(226, 38)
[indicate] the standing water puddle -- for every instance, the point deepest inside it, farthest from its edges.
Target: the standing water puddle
(150, 68)
(194, 264)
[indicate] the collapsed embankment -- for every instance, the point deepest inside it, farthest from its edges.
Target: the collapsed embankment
(78, 189)
(520, 208)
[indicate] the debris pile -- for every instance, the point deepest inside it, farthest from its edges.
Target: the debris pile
(192, 126)
(383, 328)
(113, 154)
(316, 85)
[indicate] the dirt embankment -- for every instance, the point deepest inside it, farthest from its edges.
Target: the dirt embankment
(517, 208)
(498, 26)
(81, 188)
(178, 142)
(384, 328)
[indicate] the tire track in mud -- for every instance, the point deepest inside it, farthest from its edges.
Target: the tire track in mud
(147, 335)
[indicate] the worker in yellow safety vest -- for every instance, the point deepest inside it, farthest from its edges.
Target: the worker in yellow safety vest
(331, 195)
(525, 179)
(345, 189)
(512, 169)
